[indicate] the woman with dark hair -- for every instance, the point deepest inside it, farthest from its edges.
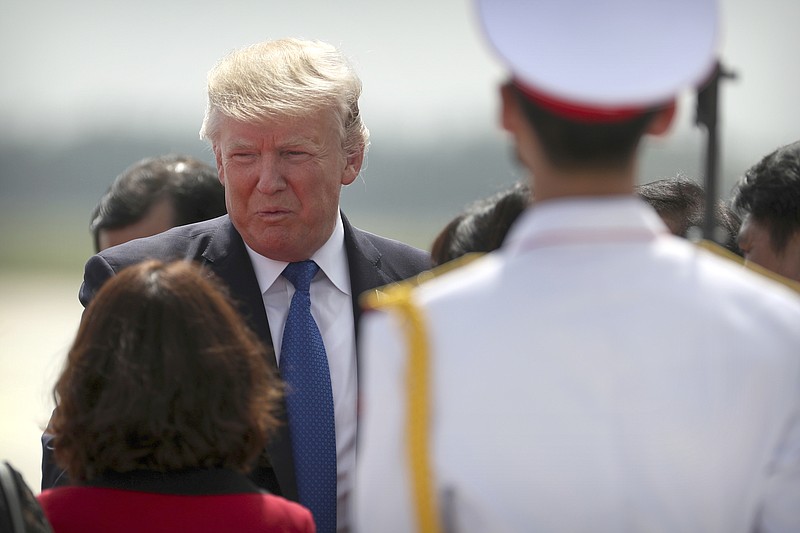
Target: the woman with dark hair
(482, 226)
(164, 404)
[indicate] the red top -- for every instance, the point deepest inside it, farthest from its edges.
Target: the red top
(90, 509)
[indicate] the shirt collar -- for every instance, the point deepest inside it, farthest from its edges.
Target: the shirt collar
(331, 258)
(585, 220)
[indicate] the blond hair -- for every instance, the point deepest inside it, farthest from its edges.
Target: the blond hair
(286, 77)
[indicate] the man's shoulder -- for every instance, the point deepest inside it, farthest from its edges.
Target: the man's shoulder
(202, 241)
(182, 242)
(730, 278)
(395, 258)
(453, 286)
(394, 247)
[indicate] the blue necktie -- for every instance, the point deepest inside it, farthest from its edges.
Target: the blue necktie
(309, 401)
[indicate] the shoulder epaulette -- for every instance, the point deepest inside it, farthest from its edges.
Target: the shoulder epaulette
(395, 293)
(398, 298)
(727, 254)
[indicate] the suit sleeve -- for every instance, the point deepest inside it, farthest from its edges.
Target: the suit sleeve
(96, 272)
(52, 475)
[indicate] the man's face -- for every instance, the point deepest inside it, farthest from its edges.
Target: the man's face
(756, 246)
(160, 217)
(282, 181)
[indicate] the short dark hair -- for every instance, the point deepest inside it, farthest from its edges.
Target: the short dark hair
(680, 201)
(192, 187)
(482, 226)
(163, 375)
(572, 144)
(769, 191)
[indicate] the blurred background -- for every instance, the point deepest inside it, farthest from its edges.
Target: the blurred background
(91, 86)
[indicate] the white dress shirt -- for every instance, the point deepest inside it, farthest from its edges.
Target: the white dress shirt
(332, 309)
(594, 375)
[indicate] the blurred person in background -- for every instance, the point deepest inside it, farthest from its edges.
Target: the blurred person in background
(482, 226)
(153, 195)
(680, 202)
(165, 402)
(768, 196)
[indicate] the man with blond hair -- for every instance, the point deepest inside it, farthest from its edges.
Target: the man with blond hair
(284, 124)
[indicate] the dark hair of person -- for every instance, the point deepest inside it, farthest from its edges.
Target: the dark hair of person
(192, 187)
(163, 375)
(680, 201)
(570, 144)
(482, 227)
(769, 192)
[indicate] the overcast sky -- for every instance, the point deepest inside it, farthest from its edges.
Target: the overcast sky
(69, 67)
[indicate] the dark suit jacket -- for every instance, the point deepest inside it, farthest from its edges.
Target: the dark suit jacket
(374, 261)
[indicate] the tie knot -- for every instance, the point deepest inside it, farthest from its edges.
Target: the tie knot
(300, 274)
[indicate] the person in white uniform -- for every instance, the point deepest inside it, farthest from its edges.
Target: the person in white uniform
(596, 373)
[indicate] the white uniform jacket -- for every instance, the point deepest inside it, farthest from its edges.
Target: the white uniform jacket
(597, 375)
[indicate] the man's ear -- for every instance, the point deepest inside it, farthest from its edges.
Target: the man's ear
(509, 111)
(663, 119)
(353, 166)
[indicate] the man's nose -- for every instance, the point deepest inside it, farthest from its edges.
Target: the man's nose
(270, 177)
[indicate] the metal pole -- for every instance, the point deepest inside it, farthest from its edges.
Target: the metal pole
(707, 116)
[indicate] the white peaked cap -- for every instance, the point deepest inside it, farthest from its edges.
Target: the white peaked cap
(604, 55)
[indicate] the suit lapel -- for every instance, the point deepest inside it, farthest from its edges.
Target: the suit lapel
(364, 263)
(229, 260)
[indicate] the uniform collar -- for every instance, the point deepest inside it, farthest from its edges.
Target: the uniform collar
(330, 257)
(581, 220)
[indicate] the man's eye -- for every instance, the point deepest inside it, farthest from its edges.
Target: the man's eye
(296, 153)
(242, 156)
